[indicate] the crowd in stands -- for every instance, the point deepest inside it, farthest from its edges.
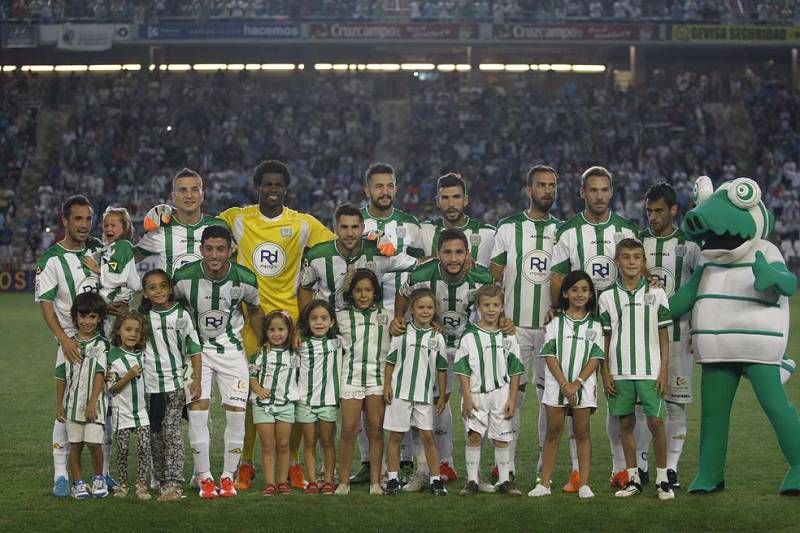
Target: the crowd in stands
(123, 137)
(725, 11)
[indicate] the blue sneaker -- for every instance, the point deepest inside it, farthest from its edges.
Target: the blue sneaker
(61, 487)
(110, 482)
(80, 491)
(99, 489)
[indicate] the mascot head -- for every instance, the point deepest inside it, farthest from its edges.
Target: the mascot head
(726, 222)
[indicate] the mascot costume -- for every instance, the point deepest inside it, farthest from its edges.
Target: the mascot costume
(739, 299)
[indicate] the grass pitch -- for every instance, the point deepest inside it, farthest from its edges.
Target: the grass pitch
(755, 468)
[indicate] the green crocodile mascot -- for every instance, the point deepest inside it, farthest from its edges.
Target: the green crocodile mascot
(739, 299)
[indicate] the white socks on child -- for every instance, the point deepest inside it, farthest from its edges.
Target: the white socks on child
(199, 441)
(472, 457)
(676, 433)
(643, 438)
(234, 440)
(60, 450)
(502, 458)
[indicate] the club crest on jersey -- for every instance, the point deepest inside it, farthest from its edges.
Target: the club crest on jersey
(401, 232)
(269, 259)
(474, 239)
(602, 270)
(433, 344)
(591, 335)
(382, 319)
(506, 344)
(680, 250)
(236, 293)
(536, 266)
(371, 265)
(181, 324)
(286, 232)
(618, 236)
(649, 299)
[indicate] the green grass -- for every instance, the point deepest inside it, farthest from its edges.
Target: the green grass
(27, 353)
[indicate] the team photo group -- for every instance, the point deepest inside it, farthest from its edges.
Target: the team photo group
(321, 340)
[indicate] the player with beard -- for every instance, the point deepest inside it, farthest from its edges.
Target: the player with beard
(452, 201)
(402, 229)
(588, 242)
(521, 262)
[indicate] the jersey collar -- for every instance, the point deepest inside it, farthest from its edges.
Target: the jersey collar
(675, 230)
(220, 280)
(642, 283)
(610, 214)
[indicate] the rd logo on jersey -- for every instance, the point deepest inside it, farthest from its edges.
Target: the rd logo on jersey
(602, 270)
(185, 259)
(666, 278)
(269, 259)
(212, 323)
(536, 266)
(454, 322)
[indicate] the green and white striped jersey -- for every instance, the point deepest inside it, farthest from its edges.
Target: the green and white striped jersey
(80, 378)
(524, 248)
(417, 355)
(129, 409)
(454, 299)
(581, 245)
(175, 243)
(673, 259)
(215, 304)
(633, 319)
(403, 230)
(487, 358)
(61, 276)
(119, 279)
(276, 371)
(318, 376)
(365, 339)
(479, 235)
(172, 339)
(325, 269)
(573, 343)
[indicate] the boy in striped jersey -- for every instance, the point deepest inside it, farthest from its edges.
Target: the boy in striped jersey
(402, 229)
(587, 242)
(214, 290)
(671, 258)
(454, 288)
(80, 393)
(452, 200)
(635, 318)
(521, 262)
(416, 360)
(60, 277)
(488, 367)
(328, 266)
(174, 234)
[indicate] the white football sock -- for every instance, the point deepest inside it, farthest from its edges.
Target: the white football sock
(234, 440)
(542, 427)
(617, 453)
(472, 457)
(676, 433)
(199, 441)
(501, 457)
(643, 438)
(60, 450)
(516, 423)
(363, 441)
(107, 440)
(661, 475)
(443, 433)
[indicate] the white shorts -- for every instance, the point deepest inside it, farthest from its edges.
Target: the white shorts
(232, 375)
(90, 432)
(530, 342)
(354, 392)
(552, 392)
(490, 417)
(681, 364)
(402, 415)
(451, 358)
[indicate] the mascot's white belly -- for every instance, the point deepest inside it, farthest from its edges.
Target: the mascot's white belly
(732, 321)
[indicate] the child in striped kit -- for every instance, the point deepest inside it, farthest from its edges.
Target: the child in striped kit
(129, 412)
(317, 408)
(572, 352)
(364, 325)
(172, 346)
(488, 366)
(273, 393)
(416, 359)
